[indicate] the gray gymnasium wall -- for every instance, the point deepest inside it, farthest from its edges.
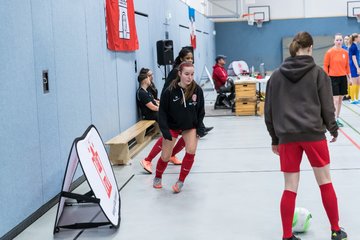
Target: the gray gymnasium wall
(88, 85)
(239, 41)
(321, 46)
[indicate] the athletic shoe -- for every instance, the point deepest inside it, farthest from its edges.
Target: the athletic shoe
(157, 183)
(174, 160)
(353, 101)
(226, 103)
(292, 238)
(146, 165)
(177, 186)
(208, 129)
(339, 123)
(338, 235)
(203, 134)
(346, 97)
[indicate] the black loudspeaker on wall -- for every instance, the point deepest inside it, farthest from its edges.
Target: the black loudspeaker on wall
(165, 52)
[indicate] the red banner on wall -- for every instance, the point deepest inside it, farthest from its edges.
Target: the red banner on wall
(120, 24)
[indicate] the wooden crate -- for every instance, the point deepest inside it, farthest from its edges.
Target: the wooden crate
(245, 99)
(260, 108)
(245, 108)
(245, 90)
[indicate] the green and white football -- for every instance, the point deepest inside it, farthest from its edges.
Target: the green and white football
(301, 221)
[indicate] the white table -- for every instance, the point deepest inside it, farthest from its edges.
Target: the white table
(260, 83)
(248, 79)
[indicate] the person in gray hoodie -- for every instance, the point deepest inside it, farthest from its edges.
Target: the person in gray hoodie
(298, 110)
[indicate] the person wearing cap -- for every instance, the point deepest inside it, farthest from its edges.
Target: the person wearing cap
(221, 81)
(220, 75)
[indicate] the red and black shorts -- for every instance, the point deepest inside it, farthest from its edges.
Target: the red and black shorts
(175, 133)
(291, 154)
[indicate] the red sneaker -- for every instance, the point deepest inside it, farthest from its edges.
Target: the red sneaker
(177, 186)
(157, 183)
(174, 160)
(146, 165)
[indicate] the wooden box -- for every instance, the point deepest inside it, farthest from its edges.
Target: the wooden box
(260, 108)
(245, 108)
(245, 99)
(245, 90)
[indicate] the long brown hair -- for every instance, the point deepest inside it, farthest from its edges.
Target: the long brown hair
(300, 40)
(352, 38)
(189, 91)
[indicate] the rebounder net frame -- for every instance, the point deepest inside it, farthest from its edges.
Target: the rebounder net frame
(101, 205)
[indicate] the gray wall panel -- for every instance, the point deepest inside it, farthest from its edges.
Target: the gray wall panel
(47, 102)
(72, 72)
(127, 85)
(103, 100)
(20, 171)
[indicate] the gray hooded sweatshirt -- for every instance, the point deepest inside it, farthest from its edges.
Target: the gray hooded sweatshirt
(299, 103)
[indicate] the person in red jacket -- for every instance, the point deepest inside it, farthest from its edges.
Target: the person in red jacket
(222, 83)
(219, 75)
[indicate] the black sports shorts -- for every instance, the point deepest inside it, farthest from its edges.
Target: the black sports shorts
(339, 85)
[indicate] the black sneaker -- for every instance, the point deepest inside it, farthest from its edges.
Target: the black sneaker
(203, 134)
(208, 129)
(338, 235)
(292, 238)
(226, 103)
(346, 97)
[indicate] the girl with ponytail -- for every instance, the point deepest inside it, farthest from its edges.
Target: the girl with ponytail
(185, 54)
(181, 112)
(299, 109)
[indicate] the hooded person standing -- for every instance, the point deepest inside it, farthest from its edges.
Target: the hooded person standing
(299, 109)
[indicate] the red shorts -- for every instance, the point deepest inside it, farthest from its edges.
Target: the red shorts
(291, 154)
(175, 133)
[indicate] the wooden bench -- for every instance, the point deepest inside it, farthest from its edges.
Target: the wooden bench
(129, 142)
